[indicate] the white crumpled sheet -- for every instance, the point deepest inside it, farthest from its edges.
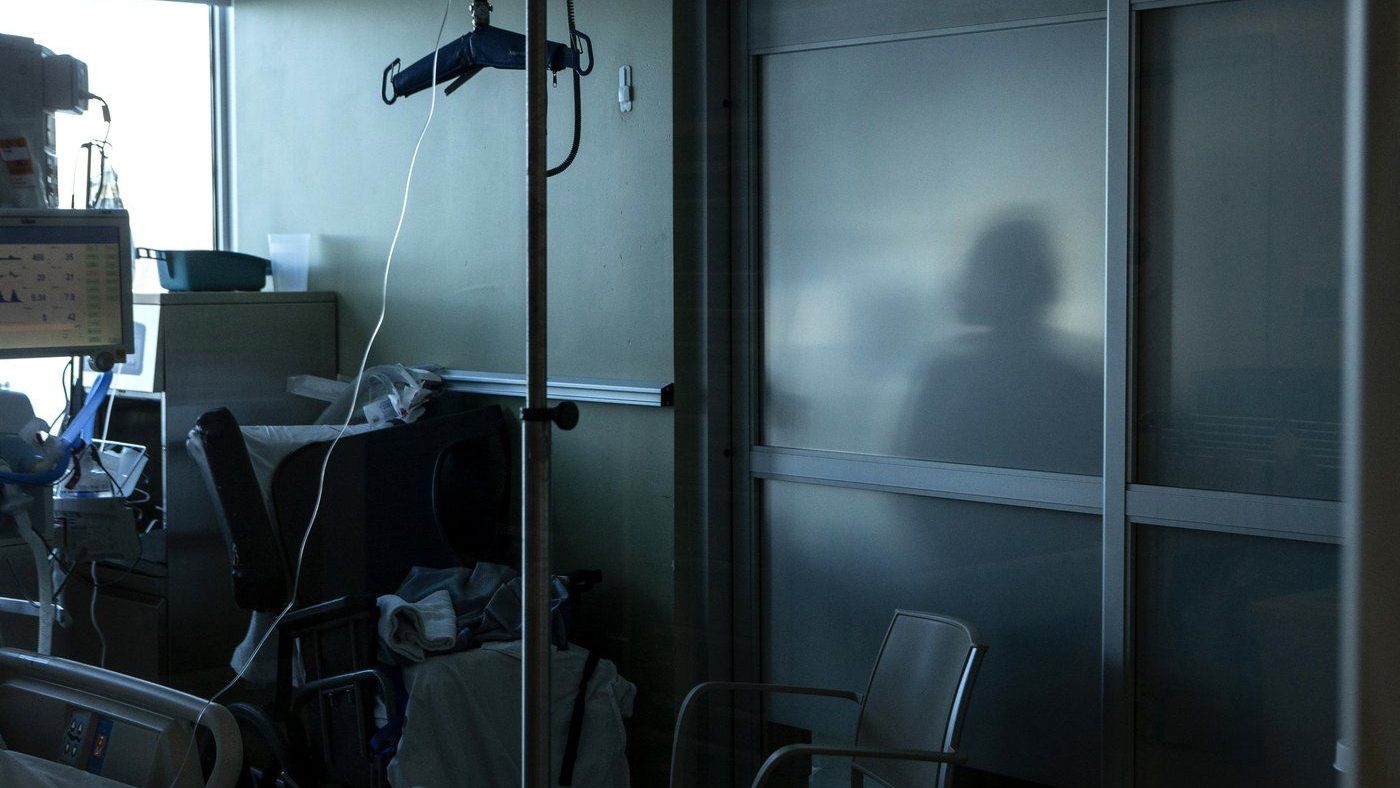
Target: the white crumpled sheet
(26, 771)
(463, 720)
(269, 446)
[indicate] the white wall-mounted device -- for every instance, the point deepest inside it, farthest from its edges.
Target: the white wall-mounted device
(624, 88)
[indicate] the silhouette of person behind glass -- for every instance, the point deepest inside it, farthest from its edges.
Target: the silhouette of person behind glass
(1005, 392)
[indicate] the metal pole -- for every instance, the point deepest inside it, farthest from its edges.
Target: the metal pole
(535, 757)
(1368, 754)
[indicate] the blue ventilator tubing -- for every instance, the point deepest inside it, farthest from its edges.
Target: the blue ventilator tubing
(75, 437)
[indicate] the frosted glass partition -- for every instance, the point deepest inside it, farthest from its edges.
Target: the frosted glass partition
(1239, 247)
(1236, 660)
(931, 247)
(838, 562)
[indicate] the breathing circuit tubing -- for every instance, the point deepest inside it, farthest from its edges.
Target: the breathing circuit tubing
(72, 440)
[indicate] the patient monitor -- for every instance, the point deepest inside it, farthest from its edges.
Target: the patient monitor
(65, 290)
(65, 284)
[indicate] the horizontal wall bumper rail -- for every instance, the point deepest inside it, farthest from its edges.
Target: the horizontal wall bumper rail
(616, 392)
(1262, 515)
(1036, 489)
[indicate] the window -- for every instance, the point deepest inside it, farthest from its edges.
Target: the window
(150, 61)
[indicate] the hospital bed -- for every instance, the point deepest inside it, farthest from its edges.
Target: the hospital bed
(64, 724)
(68, 725)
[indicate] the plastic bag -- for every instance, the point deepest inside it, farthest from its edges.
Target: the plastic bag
(387, 393)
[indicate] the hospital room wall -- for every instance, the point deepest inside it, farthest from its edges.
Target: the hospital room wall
(316, 151)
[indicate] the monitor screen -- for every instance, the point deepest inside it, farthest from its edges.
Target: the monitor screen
(65, 283)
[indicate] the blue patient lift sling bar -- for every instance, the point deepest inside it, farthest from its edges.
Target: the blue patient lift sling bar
(484, 47)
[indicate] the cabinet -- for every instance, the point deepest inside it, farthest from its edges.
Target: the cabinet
(210, 350)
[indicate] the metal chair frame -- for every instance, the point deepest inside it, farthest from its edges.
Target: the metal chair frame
(949, 755)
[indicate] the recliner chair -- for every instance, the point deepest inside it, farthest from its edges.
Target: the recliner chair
(433, 493)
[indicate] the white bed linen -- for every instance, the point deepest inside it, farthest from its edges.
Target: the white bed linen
(26, 771)
(463, 721)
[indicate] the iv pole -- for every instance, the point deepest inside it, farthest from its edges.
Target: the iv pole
(500, 49)
(535, 757)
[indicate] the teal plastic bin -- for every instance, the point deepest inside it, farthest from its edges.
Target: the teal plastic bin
(207, 270)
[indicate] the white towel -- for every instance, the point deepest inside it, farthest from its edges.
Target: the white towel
(413, 630)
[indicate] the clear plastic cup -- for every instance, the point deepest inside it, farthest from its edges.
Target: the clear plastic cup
(291, 261)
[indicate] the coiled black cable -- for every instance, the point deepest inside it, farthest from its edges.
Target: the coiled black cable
(578, 131)
(578, 104)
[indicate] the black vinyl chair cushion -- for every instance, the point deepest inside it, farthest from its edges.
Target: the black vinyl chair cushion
(260, 575)
(432, 493)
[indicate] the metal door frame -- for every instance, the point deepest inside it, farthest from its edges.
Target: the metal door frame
(1121, 503)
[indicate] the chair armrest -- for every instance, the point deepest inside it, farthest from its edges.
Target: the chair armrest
(311, 689)
(777, 689)
(794, 750)
(326, 612)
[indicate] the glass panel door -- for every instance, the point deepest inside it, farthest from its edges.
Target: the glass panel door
(1238, 389)
(931, 248)
(930, 264)
(1239, 247)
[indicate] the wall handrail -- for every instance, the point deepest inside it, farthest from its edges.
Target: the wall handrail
(616, 392)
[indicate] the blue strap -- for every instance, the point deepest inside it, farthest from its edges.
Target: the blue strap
(385, 741)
